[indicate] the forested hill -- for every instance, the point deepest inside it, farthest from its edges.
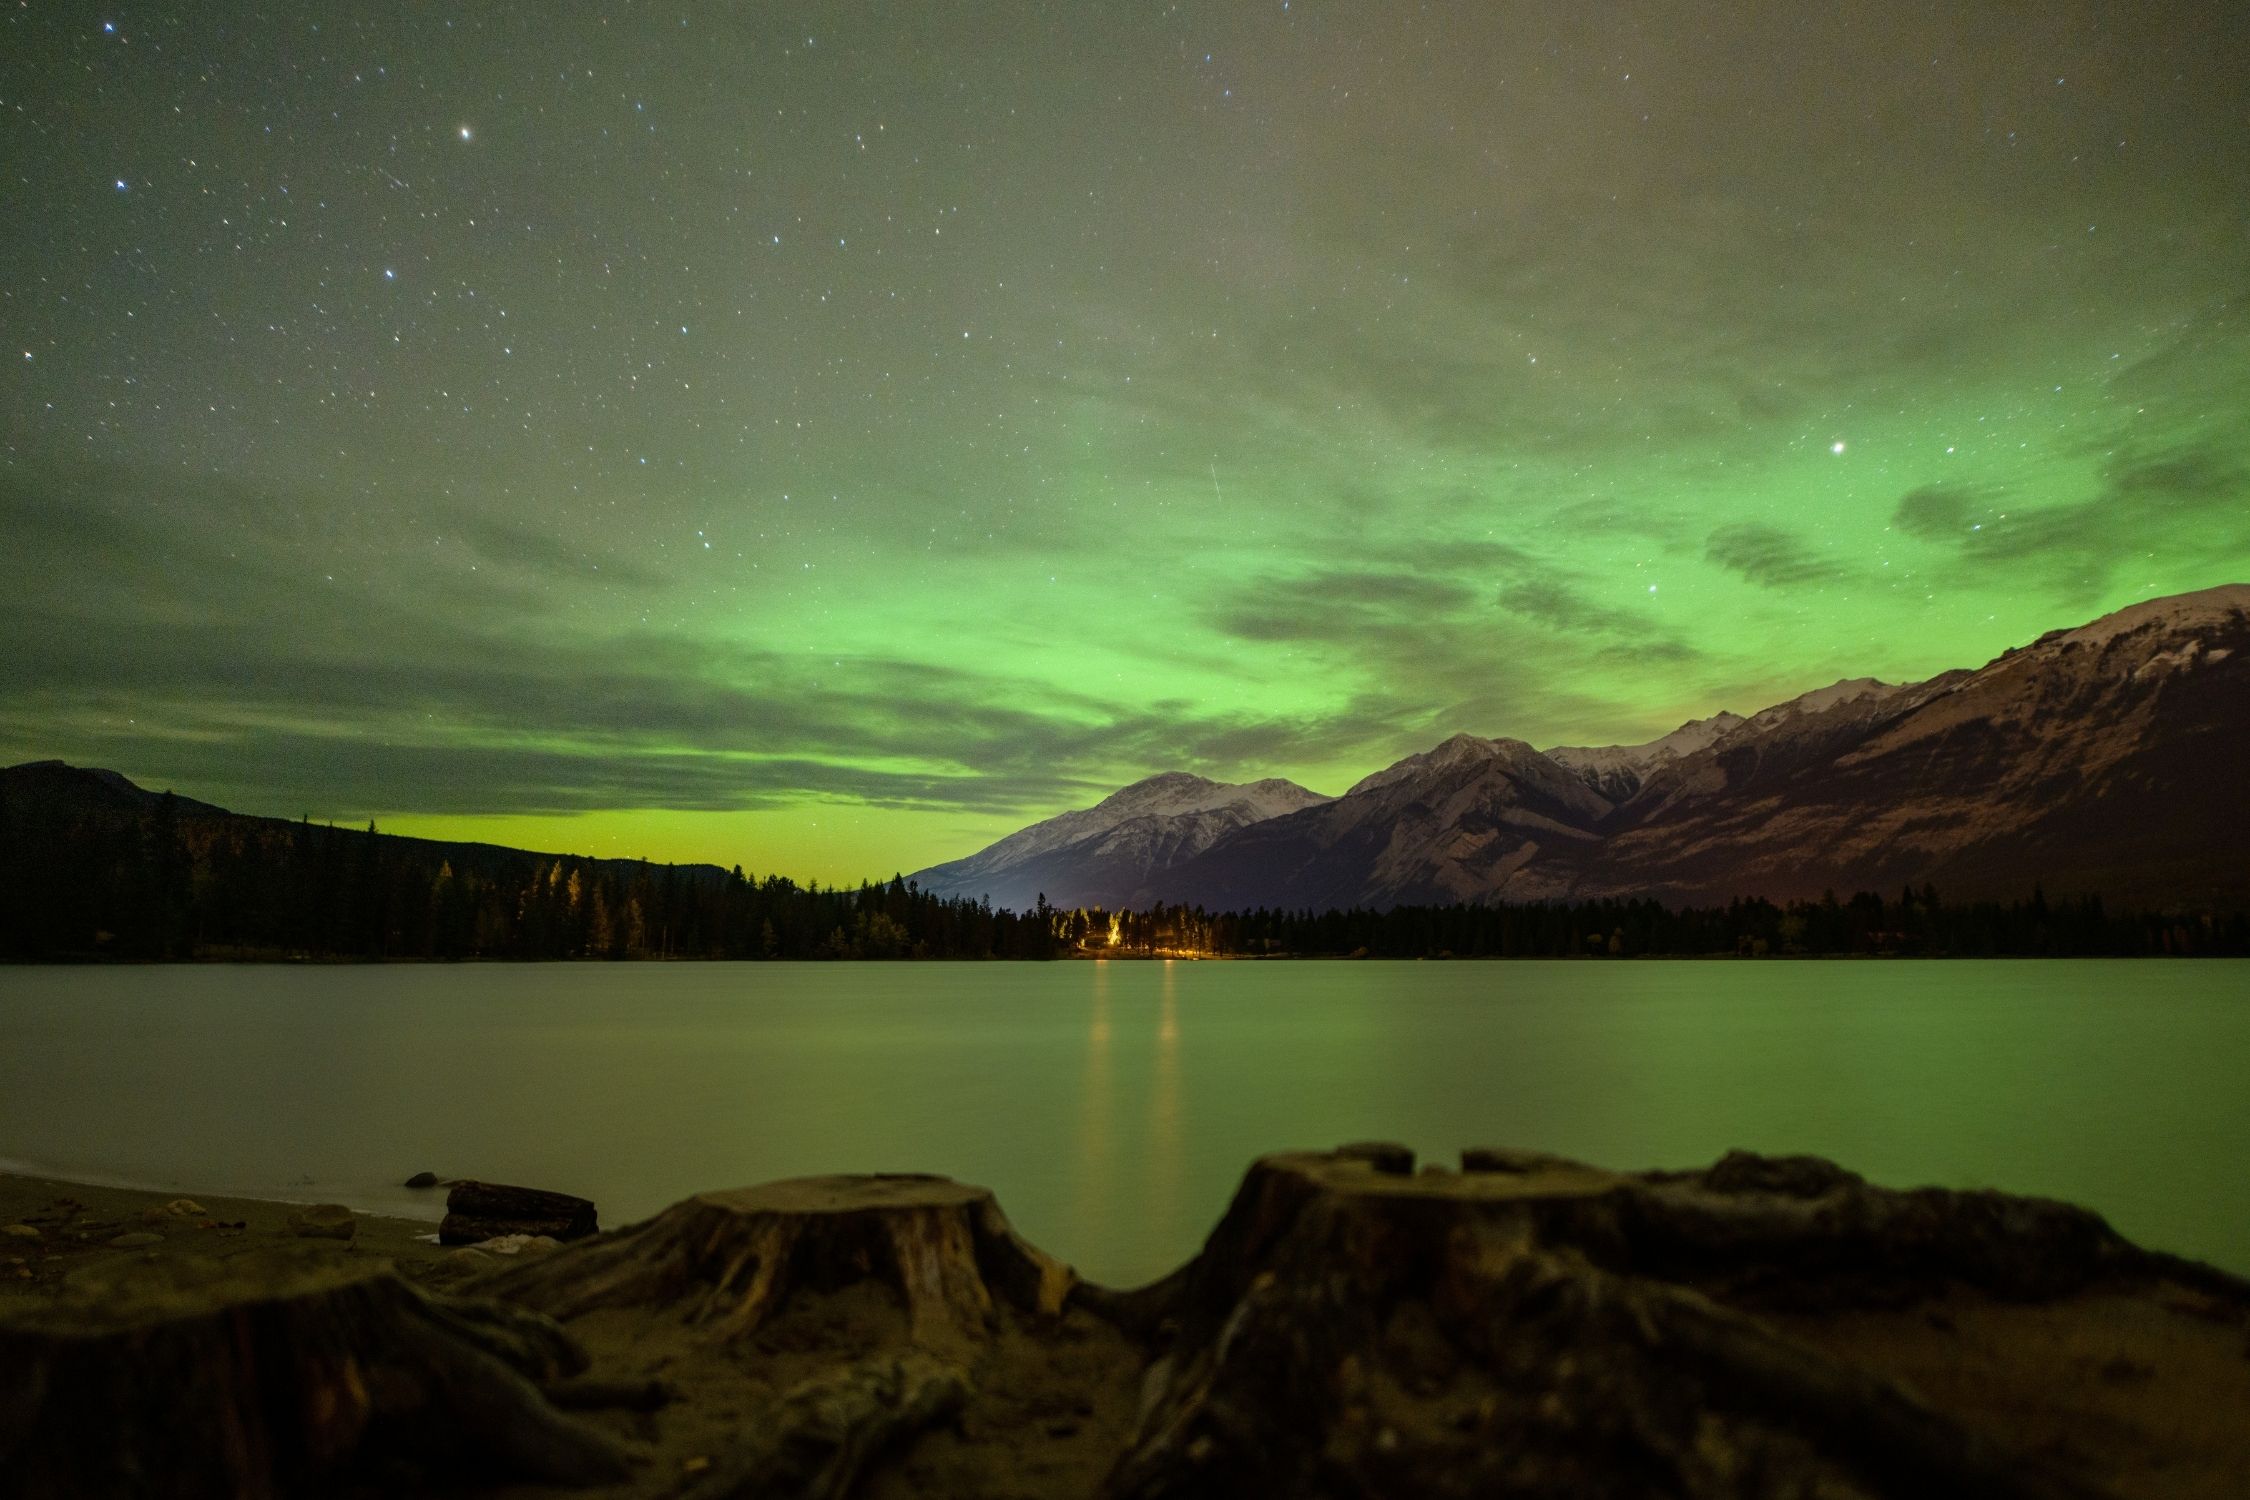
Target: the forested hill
(93, 866)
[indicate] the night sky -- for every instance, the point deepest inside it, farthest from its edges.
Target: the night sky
(825, 438)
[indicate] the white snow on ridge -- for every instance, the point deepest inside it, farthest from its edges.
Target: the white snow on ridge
(1173, 794)
(1460, 750)
(1178, 792)
(1694, 735)
(1820, 700)
(2178, 612)
(1159, 822)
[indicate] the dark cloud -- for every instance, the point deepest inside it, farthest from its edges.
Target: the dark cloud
(1938, 512)
(2187, 478)
(1559, 606)
(2188, 501)
(1768, 556)
(508, 544)
(1335, 605)
(1643, 653)
(245, 676)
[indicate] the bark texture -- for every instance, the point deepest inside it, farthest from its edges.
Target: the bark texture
(274, 1374)
(1533, 1326)
(727, 1262)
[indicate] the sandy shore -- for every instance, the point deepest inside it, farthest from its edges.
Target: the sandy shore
(79, 1223)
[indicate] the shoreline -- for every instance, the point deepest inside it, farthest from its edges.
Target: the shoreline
(78, 1219)
(73, 1180)
(317, 961)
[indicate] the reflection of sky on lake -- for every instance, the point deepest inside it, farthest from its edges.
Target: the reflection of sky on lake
(1113, 1105)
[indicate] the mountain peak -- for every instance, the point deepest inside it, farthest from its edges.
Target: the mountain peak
(2050, 762)
(1447, 755)
(1162, 787)
(2172, 614)
(1096, 856)
(1617, 771)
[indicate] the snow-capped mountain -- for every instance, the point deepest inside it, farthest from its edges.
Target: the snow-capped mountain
(2105, 758)
(1454, 823)
(1100, 855)
(2101, 759)
(1617, 771)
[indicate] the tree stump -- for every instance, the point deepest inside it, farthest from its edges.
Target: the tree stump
(476, 1211)
(269, 1373)
(730, 1260)
(1351, 1330)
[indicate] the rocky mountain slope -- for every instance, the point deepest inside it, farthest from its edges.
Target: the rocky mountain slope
(1617, 771)
(1101, 855)
(2102, 759)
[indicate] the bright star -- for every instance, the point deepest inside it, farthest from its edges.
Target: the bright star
(1836, 447)
(467, 134)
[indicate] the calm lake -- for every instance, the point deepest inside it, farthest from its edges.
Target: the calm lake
(1114, 1105)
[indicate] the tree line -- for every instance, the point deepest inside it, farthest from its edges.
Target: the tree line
(77, 885)
(80, 884)
(1909, 923)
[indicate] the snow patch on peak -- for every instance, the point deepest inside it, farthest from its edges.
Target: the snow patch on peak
(1460, 750)
(1694, 735)
(1820, 700)
(1177, 792)
(2173, 615)
(1153, 822)
(1166, 786)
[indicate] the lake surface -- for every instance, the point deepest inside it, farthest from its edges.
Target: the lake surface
(1115, 1105)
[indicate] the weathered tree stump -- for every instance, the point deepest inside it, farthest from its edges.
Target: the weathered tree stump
(1803, 1234)
(813, 1443)
(477, 1211)
(729, 1261)
(268, 1374)
(1513, 1330)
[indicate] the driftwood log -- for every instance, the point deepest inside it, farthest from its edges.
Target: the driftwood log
(727, 1262)
(1534, 1327)
(477, 1211)
(273, 1372)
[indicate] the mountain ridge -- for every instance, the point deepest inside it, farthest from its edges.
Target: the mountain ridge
(2094, 758)
(1097, 856)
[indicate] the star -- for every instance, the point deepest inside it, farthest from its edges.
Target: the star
(467, 134)
(1837, 446)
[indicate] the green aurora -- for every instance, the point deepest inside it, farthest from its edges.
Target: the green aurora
(825, 438)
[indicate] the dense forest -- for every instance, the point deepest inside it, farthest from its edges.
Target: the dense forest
(1911, 922)
(93, 867)
(179, 880)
